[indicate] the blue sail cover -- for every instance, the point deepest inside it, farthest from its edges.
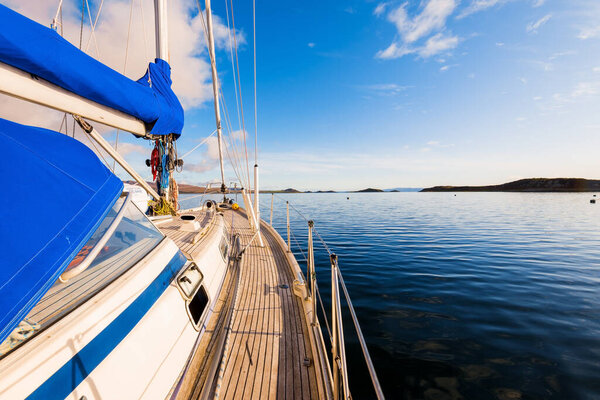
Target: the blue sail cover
(41, 51)
(56, 193)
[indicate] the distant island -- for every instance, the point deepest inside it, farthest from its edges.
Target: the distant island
(369, 190)
(186, 188)
(528, 185)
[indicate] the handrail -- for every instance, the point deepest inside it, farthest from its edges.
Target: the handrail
(337, 371)
(339, 347)
(361, 338)
(87, 261)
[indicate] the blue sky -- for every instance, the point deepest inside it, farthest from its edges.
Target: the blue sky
(488, 91)
(404, 93)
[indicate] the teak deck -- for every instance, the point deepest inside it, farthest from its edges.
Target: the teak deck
(267, 353)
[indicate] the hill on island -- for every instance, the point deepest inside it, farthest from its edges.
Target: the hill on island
(369, 190)
(528, 185)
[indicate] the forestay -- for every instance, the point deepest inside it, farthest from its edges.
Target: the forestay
(56, 194)
(40, 51)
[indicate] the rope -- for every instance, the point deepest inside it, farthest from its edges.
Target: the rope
(164, 173)
(82, 19)
(93, 144)
(54, 23)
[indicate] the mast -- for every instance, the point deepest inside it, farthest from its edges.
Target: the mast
(215, 84)
(162, 51)
(256, 187)
(161, 29)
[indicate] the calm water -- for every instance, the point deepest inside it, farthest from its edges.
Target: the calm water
(474, 296)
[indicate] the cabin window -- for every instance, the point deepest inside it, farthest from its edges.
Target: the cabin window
(133, 239)
(197, 306)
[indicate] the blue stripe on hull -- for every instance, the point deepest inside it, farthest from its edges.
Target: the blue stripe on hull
(72, 373)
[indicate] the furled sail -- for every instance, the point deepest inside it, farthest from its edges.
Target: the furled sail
(40, 51)
(56, 192)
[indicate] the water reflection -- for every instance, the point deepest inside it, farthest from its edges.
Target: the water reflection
(479, 296)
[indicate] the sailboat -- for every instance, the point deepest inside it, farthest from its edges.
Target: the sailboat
(101, 300)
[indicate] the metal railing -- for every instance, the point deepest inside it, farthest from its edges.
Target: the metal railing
(336, 370)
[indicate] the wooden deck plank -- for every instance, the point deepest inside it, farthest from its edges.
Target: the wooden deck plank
(230, 380)
(243, 331)
(268, 341)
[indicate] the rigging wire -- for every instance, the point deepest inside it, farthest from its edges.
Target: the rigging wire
(143, 29)
(198, 145)
(239, 86)
(124, 70)
(93, 32)
(255, 104)
(230, 137)
(54, 25)
(80, 43)
(93, 26)
(232, 66)
(222, 100)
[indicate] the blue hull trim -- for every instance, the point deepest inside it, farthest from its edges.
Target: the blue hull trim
(70, 375)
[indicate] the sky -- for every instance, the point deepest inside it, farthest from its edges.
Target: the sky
(355, 94)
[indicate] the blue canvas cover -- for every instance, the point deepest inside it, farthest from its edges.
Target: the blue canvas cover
(34, 48)
(55, 194)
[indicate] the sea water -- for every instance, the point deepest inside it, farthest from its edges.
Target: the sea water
(461, 295)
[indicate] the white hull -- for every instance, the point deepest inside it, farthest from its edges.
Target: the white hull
(131, 340)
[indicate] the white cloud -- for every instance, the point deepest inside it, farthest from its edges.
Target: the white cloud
(476, 6)
(380, 9)
(581, 92)
(596, 69)
(585, 89)
(533, 27)
(204, 165)
(430, 20)
(126, 148)
(499, 44)
(438, 145)
(479, 5)
(311, 45)
(438, 44)
(385, 89)
(433, 17)
(187, 53)
(589, 33)
(239, 135)
(394, 50)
